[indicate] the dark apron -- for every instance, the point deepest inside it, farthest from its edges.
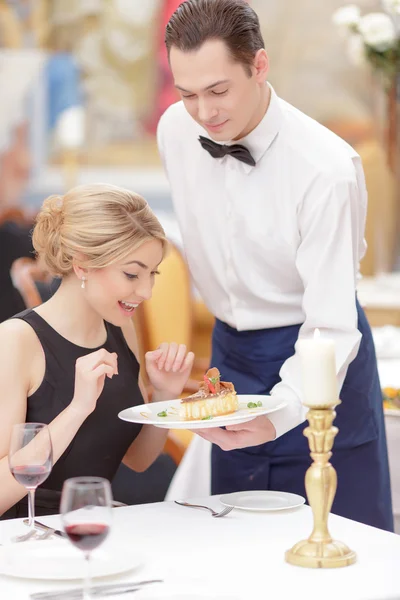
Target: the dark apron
(252, 361)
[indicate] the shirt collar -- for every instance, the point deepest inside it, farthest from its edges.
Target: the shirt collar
(261, 138)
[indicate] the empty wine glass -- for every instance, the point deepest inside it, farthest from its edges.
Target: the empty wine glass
(86, 515)
(30, 459)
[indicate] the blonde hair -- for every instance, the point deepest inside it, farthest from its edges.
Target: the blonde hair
(95, 226)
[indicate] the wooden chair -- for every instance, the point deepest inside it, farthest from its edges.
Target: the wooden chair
(169, 317)
(16, 215)
(176, 445)
(24, 273)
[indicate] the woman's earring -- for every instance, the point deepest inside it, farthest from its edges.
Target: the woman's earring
(83, 283)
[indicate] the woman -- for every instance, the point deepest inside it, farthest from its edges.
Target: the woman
(72, 362)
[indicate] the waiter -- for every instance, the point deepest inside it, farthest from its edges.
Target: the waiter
(271, 207)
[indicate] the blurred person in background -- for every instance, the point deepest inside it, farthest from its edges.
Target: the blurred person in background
(72, 362)
(273, 230)
(15, 239)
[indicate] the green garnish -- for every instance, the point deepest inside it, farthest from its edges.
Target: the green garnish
(214, 380)
(207, 418)
(254, 404)
(162, 414)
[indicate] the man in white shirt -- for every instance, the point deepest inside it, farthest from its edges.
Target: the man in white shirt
(271, 207)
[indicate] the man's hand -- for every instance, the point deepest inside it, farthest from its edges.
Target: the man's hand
(253, 433)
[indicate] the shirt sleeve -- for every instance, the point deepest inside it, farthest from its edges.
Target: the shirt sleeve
(331, 225)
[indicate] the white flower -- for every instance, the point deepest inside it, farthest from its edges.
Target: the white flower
(137, 12)
(347, 17)
(90, 7)
(378, 31)
(356, 51)
(392, 6)
(126, 46)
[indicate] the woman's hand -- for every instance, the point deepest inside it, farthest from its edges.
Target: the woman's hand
(90, 373)
(168, 369)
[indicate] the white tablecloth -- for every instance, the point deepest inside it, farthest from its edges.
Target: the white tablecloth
(238, 557)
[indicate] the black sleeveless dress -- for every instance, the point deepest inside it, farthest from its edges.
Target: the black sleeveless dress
(103, 439)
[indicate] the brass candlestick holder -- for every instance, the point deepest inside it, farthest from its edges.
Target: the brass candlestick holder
(320, 550)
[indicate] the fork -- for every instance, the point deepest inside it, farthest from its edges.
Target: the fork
(33, 535)
(51, 530)
(214, 513)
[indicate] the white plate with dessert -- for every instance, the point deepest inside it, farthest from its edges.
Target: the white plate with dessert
(216, 404)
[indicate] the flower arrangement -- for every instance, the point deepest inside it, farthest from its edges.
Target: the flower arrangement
(391, 398)
(373, 38)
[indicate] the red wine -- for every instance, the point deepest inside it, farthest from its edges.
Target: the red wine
(87, 536)
(30, 476)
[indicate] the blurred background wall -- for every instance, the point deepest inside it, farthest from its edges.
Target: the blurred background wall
(105, 81)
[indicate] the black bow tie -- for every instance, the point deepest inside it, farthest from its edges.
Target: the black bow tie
(220, 150)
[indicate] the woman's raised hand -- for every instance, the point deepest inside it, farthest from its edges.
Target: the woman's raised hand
(90, 373)
(168, 369)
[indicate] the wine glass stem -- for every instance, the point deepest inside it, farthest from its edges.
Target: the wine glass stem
(31, 509)
(86, 583)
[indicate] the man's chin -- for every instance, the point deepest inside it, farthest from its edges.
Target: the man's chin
(220, 136)
(224, 136)
(218, 133)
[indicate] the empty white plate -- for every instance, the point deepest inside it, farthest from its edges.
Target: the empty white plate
(58, 559)
(262, 500)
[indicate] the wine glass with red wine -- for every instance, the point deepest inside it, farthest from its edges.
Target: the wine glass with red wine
(30, 459)
(86, 515)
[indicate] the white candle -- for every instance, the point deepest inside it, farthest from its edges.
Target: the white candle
(318, 367)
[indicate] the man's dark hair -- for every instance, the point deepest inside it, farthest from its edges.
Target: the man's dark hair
(232, 21)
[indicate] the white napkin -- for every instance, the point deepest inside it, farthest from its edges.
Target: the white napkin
(192, 479)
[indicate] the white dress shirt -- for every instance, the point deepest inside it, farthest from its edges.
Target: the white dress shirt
(278, 243)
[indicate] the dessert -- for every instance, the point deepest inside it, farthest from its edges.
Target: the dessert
(214, 398)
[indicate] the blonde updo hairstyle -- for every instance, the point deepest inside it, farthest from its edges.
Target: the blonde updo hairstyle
(93, 226)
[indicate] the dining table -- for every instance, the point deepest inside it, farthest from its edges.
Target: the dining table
(240, 556)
